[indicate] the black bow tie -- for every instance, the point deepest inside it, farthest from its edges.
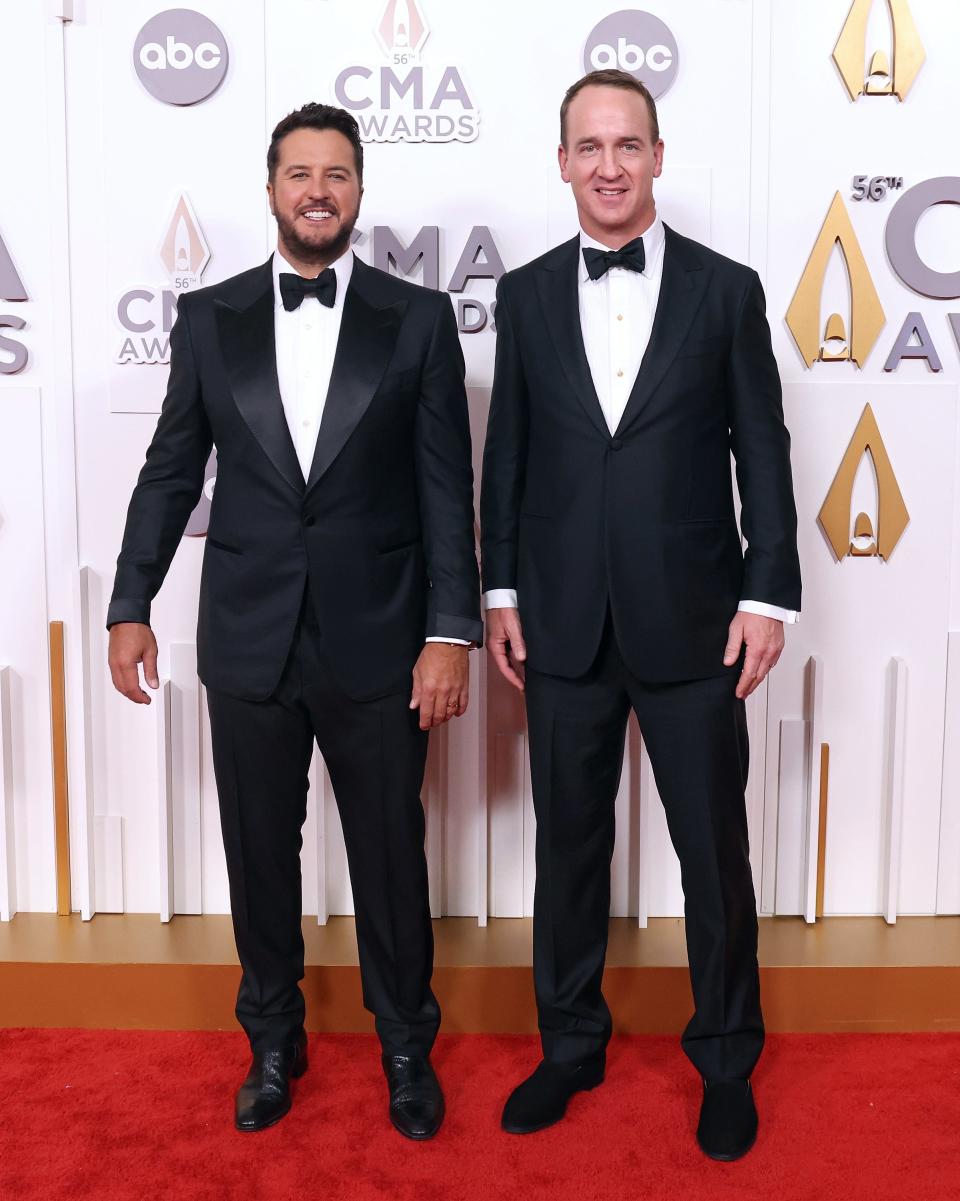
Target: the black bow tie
(599, 262)
(293, 288)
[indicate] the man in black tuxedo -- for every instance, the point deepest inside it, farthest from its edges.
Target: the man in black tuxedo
(630, 362)
(338, 598)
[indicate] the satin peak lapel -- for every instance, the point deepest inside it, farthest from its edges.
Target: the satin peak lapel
(249, 351)
(559, 296)
(682, 288)
(368, 335)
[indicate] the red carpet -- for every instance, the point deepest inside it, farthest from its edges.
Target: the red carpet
(112, 1115)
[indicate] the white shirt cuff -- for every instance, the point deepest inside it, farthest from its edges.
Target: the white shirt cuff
(506, 598)
(451, 641)
(789, 616)
(500, 598)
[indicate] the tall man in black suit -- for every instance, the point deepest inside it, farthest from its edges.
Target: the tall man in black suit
(630, 362)
(340, 539)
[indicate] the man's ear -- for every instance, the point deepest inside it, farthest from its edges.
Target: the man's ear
(562, 160)
(273, 211)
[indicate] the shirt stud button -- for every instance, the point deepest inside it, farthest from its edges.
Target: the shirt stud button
(619, 316)
(619, 373)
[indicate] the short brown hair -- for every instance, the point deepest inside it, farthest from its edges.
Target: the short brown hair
(609, 79)
(320, 117)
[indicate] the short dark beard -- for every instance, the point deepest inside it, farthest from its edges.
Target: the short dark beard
(305, 252)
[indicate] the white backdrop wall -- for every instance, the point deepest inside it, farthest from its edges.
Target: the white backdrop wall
(760, 134)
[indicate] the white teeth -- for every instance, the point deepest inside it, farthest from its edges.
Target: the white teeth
(317, 215)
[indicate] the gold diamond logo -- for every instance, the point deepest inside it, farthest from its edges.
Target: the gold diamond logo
(842, 340)
(881, 78)
(836, 513)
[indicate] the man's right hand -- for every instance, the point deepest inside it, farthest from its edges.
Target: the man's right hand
(505, 643)
(131, 643)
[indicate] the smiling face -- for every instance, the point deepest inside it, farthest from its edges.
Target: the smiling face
(315, 196)
(611, 162)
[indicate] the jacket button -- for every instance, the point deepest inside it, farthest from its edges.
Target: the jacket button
(616, 443)
(309, 521)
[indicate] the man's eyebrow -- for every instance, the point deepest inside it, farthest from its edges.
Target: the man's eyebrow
(630, 137)
(306, 167)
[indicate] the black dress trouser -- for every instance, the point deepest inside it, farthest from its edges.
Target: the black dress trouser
(375, 753)
(695, 734)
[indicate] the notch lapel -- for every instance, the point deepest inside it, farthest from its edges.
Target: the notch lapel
(249, 350)
(560, 298)
(682, 288)
(368, 335)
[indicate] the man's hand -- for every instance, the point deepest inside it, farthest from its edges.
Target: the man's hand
(505, 642)
(132, 643)
(764, 639)
(441, 683)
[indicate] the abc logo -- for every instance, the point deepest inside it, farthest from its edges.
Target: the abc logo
(637, 42)
(180, 56)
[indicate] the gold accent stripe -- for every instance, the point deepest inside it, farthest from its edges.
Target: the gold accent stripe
(61, 793)
(822, 836)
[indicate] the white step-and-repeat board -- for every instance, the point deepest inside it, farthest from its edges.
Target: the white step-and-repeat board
(812, 141)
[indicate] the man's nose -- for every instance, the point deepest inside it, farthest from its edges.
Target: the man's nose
(609, 167)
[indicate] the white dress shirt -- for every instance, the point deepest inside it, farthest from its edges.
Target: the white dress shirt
(306, 341)
(616, 319)
(306, 344)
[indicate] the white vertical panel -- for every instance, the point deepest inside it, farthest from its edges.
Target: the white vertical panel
(770, 833)
(461, 795)
(664, 890)
(317, 803)
(761, 795)
(756, 781)
(64, 591)
(8, 846)
(893, 785)
(108, 852)
(624, 848)
(162, 722)
(339, 894)
(481, 810)
(93, 670)
(506, 827)
(791, 834)
(185, 778)
(815, 718)
(24, 644)
(649, 798)
(216, 887)
(948, 875)
(529, 835)
(434, 802)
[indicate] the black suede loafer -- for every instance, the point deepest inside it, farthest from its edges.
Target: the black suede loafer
(264, 1097)
(728, 1119)
(542, 1098)
(416, 1100)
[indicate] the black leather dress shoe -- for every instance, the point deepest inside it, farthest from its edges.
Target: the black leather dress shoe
(728, 1119)
(264, 1097)
(542, 1098)
(416, 1101)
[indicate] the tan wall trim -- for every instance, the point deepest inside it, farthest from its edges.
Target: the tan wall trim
(61, 792)
(473, 999)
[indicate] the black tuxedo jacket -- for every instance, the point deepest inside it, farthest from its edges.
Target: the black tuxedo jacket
(643, 521)
(383, 527)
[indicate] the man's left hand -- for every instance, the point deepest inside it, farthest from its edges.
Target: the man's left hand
(440, 683)
(764, 639)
